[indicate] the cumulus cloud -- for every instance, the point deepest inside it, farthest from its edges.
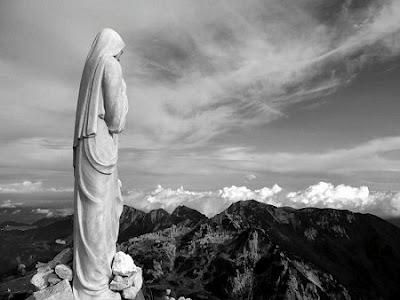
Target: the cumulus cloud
(360, 199)
(207, 202)
(29, 187)
(321, 195)
(44, 211)
(234, 193)
(60, 212)
(169, 199)
(21, 187)
(9, 204)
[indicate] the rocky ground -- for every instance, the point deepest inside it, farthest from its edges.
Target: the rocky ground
(255, 251)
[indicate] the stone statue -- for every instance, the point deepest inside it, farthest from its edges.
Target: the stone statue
(100, 117)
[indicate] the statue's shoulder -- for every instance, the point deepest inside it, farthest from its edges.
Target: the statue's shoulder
(112, 67)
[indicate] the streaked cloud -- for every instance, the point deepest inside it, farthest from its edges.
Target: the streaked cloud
(369, 156)
(199, 75)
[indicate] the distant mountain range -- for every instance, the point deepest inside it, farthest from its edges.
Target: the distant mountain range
(249, 251)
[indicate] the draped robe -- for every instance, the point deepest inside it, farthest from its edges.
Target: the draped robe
(100, 117)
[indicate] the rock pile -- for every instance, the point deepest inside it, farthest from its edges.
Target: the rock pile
(128, 279)
(52, 279)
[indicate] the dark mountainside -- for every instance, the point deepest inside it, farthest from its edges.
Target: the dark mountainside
(250, 251)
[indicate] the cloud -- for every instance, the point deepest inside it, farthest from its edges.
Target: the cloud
(21, 187)
(368, 156)
(29, 187)
(195, 71)
(234, 193)
(169, 199)
(241, 65)
(220, 67)
(44, 211)
(207, 202)
(9, 204)
(60, 212)
(250, 177)
(359, 199)
(321, 195)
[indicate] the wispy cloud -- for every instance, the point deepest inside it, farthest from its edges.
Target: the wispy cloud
(196, 71)
(241, 65)
(369, 156)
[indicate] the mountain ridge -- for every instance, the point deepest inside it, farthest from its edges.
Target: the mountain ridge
(251, 250)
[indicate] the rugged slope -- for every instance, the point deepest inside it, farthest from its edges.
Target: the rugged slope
(134, 222)
(257, 251)
(250, 251)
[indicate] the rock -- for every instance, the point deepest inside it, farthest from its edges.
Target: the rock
(120, 283)
(130, 293)
(64, 257)
(168, 292)
(42, 267)
(53, 279)
(21, 269)
(181, 298)
(171, 298)
(64, 272)
(60, 291)
(40, 279)
(123, 264)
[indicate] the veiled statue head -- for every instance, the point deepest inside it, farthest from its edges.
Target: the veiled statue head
(107, 42)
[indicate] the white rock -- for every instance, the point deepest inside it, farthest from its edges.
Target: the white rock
(40, 279)
(168, 291)
(120, 283)
(60, 291)
(123, 264)
(130, 293)
(64, 272)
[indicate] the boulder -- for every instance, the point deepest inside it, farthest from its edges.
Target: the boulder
(53, 279)
(42, 267)
(64, 257)
(132, 293)
(60, 291)
(63, 271)
(120, 283)
(123, 264)
(40, 279)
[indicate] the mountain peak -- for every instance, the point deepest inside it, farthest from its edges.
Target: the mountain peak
(184, 213)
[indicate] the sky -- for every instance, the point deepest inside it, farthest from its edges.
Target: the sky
(286, 102)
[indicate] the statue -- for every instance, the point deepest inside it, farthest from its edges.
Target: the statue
(100, 116)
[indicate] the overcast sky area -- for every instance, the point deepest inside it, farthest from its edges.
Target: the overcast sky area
(286, 102)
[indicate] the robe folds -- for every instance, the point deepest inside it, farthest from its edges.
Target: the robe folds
(100, 117)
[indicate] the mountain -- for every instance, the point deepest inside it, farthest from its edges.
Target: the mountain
(394, 221)
(360, 250)
(29, 244)
(134, 222)
(249, 251)
(257, 251)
